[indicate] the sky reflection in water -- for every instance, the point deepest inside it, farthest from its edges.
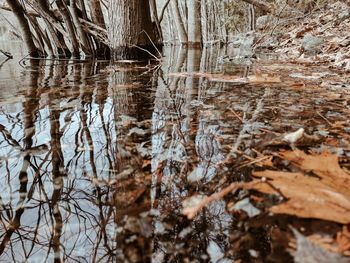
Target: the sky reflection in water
(95, 159)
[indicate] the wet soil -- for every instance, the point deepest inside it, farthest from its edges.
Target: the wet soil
(96, 159)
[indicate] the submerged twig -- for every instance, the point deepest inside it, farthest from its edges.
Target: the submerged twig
(154, 45)
(323, 117)
(148, 52)
(191, 212)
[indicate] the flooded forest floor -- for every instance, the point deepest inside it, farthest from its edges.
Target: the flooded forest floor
(193, 159)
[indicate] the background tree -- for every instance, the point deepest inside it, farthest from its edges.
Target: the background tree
(137, 28)
(20, 14)
(130, 30)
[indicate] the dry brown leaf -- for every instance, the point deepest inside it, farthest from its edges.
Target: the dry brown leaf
(302, 32)
(307, 196)
(343, 241)
(326, 197)
(324, 164)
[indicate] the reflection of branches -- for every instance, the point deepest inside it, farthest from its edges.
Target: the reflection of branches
(3, 63)
(57, 179)
(77, 122)
(23, 174)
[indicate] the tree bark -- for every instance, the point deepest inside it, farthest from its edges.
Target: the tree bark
(40, 36)
(155, 20)
(51, 21)
(96, 13)
(194, 23)
(83, 37)
(182, 34)
(130, 29)
(19, 12)
(69, 25)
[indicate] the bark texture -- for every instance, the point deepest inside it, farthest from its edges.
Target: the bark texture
(69, 25)
(130, 30)
(194, 23)
(180, 26)
(97, 18)
(18, 11)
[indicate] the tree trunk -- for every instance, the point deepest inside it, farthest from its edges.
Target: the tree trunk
(18, 11)
(102, 50)
(130, 29)
(50, 19)
(251, 17)
(40, 37)
(69, 25)
(83, 37)
(194, 23)
(182, 34)
(155, 20)
(96, 13)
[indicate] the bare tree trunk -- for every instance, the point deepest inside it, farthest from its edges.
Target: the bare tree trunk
(178, 21)
(42, 7)
(69, 25)
(97, 17)
(41, 36)
(96, 13)
(19, 12)
(155, 20)
(251, 17)
(83, 37)
(194, 23)
(130, 29)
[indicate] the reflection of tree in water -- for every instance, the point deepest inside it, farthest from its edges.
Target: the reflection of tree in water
(182, 140)
(76, 155)
(61, 165)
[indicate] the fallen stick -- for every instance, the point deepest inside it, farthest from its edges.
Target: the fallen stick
(191, 212)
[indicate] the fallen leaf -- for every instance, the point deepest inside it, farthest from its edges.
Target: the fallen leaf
(326, 197)
(343, 241)
(307, 196)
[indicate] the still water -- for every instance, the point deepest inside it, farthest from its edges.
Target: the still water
(97, 158)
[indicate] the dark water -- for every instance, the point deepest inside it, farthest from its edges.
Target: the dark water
(96, 159)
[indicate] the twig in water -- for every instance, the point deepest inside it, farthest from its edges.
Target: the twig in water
(236, 114)
(323, 117)
(258, 160)
(143, 49)
(159, 53)
(191, 212)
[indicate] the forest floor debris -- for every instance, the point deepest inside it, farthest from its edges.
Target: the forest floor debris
(319, 37)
